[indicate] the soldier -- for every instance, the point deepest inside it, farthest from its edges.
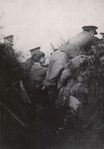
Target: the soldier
(36, 55)
(79, 45)
(37, 73)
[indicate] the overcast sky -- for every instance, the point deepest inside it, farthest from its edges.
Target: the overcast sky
(41, 22)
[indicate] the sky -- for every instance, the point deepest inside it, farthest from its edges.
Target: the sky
(42, 22)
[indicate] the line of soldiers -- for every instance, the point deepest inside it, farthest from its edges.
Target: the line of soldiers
(65, 64)
(79, 45)
(72, 66)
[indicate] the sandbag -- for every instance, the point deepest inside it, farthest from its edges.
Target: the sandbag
(75, 64)
(74, 103)
(56, 65)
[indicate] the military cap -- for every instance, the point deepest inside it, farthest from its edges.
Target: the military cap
(34, 50)
(91, 27)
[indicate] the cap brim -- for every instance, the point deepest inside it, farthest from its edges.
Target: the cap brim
(89, 27)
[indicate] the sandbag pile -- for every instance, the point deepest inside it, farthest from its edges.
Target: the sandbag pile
(83, 87)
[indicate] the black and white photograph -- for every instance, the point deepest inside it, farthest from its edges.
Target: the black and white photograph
(51, 74)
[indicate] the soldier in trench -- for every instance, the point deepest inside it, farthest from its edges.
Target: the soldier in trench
(79, 45)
